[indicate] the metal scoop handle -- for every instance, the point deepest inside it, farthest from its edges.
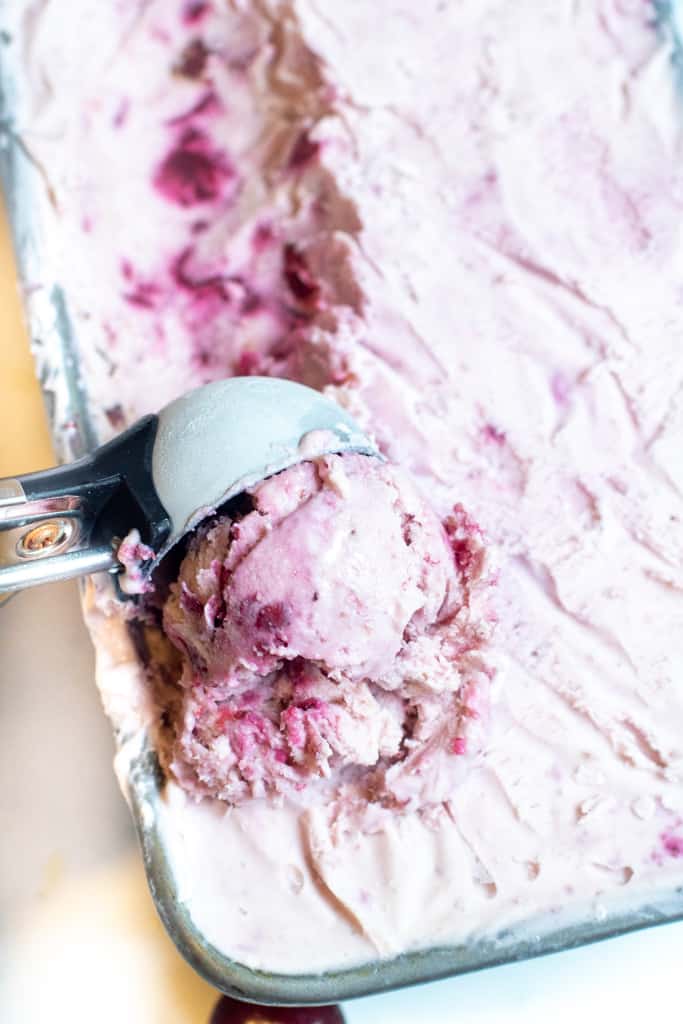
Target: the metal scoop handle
(65, 522)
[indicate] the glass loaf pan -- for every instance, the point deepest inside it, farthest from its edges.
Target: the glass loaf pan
(55, 350)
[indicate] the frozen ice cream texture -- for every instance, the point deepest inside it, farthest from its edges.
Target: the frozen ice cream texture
(336, 632)
(462, 222)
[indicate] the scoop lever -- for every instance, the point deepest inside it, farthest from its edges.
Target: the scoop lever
(67, 521)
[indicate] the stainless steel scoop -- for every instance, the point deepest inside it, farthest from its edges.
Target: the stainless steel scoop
(162, 476)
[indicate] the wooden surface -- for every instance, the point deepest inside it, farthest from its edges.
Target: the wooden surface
(24, 438)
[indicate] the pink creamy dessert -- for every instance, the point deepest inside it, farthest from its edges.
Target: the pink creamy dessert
(337, 632)
(462, 221)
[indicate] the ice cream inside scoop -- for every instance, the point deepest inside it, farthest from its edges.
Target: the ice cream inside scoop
(332, 629)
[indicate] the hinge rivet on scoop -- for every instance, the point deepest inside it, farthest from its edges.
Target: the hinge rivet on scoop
(49, 538)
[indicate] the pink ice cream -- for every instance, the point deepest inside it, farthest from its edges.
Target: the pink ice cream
(337, 632)
(462, 221)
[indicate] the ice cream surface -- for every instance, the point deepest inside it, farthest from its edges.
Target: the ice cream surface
(462, 220)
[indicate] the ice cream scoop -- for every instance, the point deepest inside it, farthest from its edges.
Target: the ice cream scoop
(162, 476)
